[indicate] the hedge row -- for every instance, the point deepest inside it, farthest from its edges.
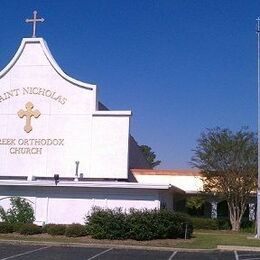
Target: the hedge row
(137, 224)
(73, 230)
(209, 223)
(221, 224)
(116, 224)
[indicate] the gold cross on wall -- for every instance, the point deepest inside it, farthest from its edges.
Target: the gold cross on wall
(29, 113)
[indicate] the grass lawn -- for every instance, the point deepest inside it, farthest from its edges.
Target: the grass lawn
(211, 238)
(204, 239)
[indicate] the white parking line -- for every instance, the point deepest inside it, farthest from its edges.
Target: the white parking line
(101, 253)
(254, 258)
(248, 256)
(172, 255)
(25, 253)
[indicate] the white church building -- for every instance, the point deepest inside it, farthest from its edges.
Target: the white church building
(65, 152)
(61, 149)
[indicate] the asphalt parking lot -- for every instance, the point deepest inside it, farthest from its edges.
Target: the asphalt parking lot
(26, 252)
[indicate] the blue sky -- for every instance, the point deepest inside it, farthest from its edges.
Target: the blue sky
(180, 66)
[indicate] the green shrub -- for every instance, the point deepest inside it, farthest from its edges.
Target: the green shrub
(30, 229)
(107, 224)
(143, 225)
(248, 226)
(185, 227)
(223, 224)
(6, 227)
(209, 223)
(138, 224)
(75, 230)
(158, 224)
(45, 227)
(20, 211)
(55, 229)
(204, 223)
(17, 226)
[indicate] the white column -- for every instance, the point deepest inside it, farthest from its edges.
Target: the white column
(214, 209)
(251, 215)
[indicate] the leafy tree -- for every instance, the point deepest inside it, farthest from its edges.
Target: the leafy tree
(20, 212)
(149, 155)
(228, 162)
(195, 203)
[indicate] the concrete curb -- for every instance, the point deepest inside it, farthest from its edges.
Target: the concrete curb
(154, 248)
(238, 248)
(118, 246)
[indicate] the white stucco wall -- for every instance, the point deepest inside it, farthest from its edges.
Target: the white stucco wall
(66, 205)
(110, 146)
